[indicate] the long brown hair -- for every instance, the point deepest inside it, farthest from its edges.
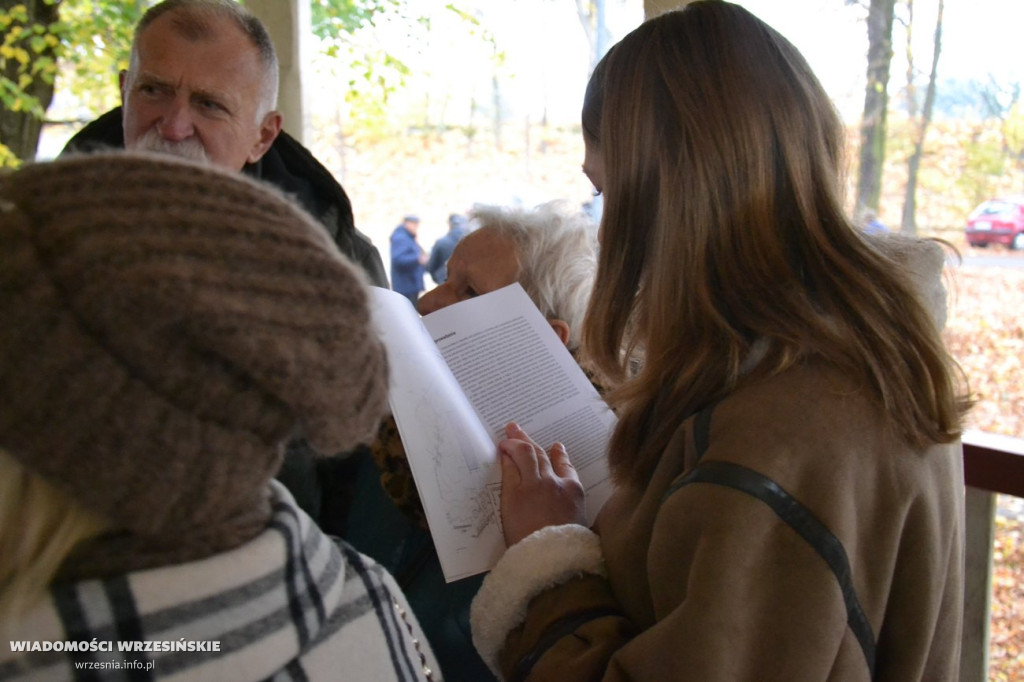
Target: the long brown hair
(723, 226)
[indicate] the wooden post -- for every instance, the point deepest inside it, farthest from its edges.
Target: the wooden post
(653, 8)
(980, 534)
(289, 25)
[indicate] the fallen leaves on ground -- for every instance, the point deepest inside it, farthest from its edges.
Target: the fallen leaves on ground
(985, 333)
(1006, 646)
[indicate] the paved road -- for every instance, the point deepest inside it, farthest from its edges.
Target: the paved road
(994, 261)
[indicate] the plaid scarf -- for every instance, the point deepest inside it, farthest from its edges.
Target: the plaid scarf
(291, 604)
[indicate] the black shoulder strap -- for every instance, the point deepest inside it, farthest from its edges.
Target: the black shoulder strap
(796, 515)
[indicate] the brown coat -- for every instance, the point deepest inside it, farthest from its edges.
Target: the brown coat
(713, 585)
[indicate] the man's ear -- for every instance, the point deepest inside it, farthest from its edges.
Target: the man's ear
(561, 328)
(270, 128)
(122, 78)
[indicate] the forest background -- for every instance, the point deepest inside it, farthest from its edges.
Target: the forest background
(430, 106)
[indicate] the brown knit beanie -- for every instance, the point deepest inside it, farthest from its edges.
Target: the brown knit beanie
(164, 328)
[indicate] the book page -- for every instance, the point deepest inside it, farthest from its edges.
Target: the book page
(511, 367)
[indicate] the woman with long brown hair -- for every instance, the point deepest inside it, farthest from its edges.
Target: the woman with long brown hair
(787, 458)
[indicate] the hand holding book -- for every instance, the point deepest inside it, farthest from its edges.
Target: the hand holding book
(458, 377)
(538, 488)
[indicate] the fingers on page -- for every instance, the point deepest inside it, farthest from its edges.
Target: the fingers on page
(560, 462)
(523, 454)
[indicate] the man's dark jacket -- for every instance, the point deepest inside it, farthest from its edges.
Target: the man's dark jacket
(287, 165)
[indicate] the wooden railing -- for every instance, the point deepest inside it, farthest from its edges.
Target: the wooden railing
(992, 465)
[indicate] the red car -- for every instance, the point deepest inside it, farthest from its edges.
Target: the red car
(997, 221)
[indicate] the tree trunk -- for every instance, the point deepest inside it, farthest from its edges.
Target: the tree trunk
(909, 222)
(497, 120)
(19, 130)
(876, 101)
(911, 79)
(470, 130)
(592, 17)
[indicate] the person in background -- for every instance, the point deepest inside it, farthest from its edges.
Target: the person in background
(437, 264)
(872, 225)
(202, 84)
(151, 377)
(550, 252)
(407, 259)
(789, 481)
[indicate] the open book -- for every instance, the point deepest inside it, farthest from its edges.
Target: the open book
(458, 376)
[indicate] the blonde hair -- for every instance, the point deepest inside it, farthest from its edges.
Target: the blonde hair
(723, 226)
(39, 528)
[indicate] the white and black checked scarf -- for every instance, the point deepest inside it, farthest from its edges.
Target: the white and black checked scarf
(291, 604)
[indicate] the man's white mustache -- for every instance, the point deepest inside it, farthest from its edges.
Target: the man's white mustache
(191, 148)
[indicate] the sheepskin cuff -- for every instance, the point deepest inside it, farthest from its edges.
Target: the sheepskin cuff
(547, 558)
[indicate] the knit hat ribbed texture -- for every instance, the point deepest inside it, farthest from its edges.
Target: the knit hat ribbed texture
(165, 328)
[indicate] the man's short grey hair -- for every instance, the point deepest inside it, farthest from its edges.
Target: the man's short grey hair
(556, 253)
(193, 20)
